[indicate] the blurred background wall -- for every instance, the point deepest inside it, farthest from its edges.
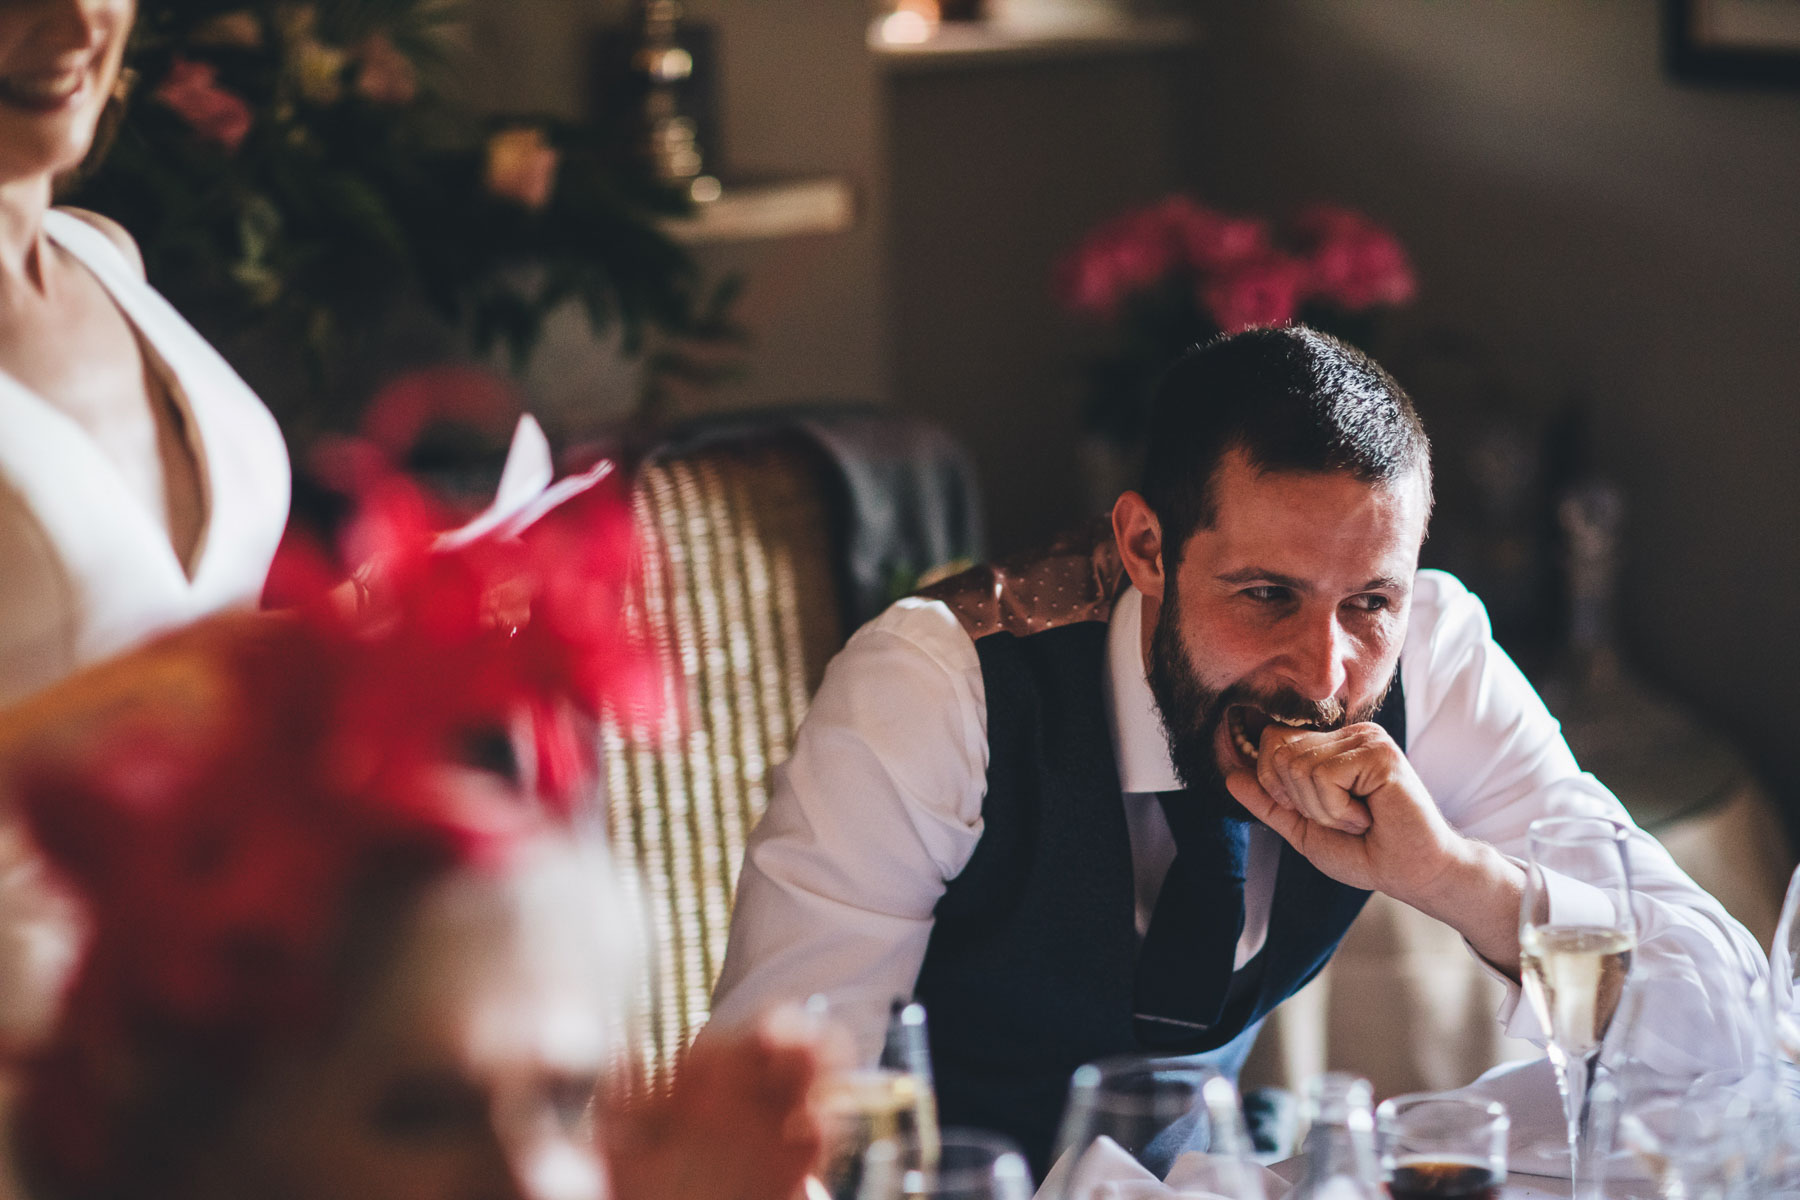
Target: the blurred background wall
(1611, 236)
(1599, 234)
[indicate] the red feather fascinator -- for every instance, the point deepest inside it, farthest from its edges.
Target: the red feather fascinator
(216, 800)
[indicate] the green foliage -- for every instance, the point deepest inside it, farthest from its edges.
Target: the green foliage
(295, 168)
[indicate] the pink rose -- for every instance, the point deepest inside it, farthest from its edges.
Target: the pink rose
(192, 90)
(1264, 291)
(385, 75)
(1135, 250)
(1353, 262)
(1211, 240)
(521, 167)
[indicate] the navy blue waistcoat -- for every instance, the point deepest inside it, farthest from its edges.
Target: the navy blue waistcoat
(1030, 970)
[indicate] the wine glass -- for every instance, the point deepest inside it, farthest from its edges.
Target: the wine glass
(1689, 1092)
(1131, 1118)
(862, 1105)
(960, 1164)
(1577, 935)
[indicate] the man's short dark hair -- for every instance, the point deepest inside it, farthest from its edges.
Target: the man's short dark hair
(1292, 399)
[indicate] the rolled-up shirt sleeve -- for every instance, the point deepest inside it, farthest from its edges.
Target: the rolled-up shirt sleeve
(879, 805)
(1494, 759)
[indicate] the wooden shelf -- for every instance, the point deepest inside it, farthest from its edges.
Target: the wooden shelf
(960, 45)
(754, 211)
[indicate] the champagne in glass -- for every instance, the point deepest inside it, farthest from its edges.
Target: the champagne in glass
(1574, 976)
(892, 1101)
(860, 1108)
(1576, 938)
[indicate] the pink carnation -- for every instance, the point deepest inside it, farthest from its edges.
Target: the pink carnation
(1210, 240)
(1264, 291)
(1129, 253)
(1353, 262)
(192, 90)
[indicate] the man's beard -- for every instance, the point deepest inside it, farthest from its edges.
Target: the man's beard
(1191, 711)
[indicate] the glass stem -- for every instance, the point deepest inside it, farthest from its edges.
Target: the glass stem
(1575, 1077)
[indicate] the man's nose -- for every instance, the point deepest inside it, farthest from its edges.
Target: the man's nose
(1318, 658)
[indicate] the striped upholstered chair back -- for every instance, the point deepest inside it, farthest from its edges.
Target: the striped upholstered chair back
(740, 600)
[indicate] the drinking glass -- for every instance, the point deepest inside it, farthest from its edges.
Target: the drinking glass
(1442, 1147)
(1130, 1118)
(1577, 935)
(959, 1165)
(891, 1101)
(908, 1050)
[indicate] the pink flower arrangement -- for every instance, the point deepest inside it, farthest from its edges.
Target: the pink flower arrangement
(1242, 271)
(1174, 273)
(1352, 261)
(216, 114)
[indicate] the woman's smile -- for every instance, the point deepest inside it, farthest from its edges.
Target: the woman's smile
(46, 91)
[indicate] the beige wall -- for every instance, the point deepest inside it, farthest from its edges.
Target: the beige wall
(1614, 234)
(798, 96)
(996, 173)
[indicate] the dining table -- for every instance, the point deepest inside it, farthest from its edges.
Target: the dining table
(1518, 1187)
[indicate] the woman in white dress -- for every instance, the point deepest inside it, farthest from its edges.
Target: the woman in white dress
(142, 484)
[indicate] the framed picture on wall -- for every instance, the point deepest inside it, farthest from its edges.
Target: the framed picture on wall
(1733, 41)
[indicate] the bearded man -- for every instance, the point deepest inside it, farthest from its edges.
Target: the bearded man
(1128, 796)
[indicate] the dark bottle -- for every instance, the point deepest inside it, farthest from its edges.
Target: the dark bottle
(666, 65)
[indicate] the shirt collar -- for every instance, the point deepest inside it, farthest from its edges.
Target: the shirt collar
(1139, 745)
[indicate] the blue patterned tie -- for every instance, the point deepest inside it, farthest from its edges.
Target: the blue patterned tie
(1185, 965)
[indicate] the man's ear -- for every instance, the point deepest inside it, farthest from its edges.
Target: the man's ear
(1139, 536)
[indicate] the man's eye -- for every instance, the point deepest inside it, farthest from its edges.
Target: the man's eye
(1267, 595)
(1374, 602)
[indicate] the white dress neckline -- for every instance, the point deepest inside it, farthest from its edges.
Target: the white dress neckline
(91, 566)
(66, 439)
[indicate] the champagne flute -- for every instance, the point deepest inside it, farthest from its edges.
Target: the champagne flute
(1577, 935)
(891, 1101)
(1138, 1115)
(908, 1050)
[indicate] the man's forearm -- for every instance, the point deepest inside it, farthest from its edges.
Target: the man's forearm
(1478, 894)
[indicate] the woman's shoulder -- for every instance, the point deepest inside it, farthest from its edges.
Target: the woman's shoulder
(115, 234)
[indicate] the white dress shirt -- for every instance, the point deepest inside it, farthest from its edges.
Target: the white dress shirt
(880, 805)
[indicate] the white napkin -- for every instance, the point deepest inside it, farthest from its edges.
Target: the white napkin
(1106, 1172)
(526, 492)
